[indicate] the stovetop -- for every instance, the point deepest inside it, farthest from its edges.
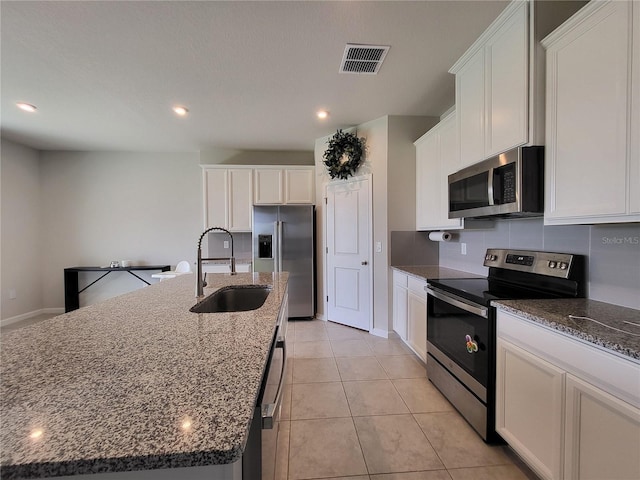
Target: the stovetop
(520, 275)
(483, 290)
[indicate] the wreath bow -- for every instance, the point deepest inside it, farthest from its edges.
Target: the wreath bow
(344, 155)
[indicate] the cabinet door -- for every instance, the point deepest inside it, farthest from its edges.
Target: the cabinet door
(603, 434)
(427, 169)
(587, 102)
(268, 186)
(470, 106)
(508, 82)
(300, 186)
(634, 176)
(417, 322)
(529, 396)
(215, 198)
(449, 163)
(240, 199)
(400, 306)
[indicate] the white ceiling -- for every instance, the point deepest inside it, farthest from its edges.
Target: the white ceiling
(104, 75)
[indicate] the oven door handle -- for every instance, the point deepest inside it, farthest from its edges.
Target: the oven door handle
(457, 302)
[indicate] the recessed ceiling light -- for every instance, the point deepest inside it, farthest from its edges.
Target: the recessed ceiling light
(322, 114)
(182, 111)
(27, 107)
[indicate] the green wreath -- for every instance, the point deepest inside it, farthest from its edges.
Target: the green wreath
(344, 155)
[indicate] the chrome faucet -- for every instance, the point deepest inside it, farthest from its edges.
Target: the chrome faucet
(201, 280)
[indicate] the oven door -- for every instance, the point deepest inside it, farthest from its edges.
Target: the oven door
(459, 336)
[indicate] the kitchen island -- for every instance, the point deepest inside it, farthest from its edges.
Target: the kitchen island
(136, 383)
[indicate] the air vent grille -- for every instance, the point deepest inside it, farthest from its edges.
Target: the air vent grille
(365, 59)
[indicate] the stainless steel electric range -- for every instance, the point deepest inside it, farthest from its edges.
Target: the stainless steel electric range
(461, 324)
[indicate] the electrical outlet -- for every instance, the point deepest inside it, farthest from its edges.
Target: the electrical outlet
(463, 248)
(378, 247)
(13, 294)
(226, 244)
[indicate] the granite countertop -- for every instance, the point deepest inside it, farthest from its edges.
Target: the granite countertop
(426, 272)
(136, 382)
(555, 314)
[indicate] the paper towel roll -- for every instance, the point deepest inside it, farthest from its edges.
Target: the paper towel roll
(439, 236)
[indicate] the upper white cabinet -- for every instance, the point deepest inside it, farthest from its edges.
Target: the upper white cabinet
(268, 186)
(593, 116)
(436, 157)
(493, 85)
(228, 198)
(284, 185)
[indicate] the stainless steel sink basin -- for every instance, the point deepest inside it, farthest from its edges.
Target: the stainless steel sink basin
(235, 298)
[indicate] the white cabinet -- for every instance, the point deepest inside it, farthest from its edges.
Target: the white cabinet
(569, 409)
(530, 407)
(400, 294)
(603, 434)
(284, 185)
(228, 198)
(417, 317)
(593, 119)
(410, 312)
(436, 157)
(493, 88)
(269, 186)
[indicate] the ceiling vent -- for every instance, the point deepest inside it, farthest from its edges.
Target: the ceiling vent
(365, 59)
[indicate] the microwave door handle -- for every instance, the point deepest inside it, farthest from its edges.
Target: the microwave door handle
(490, 187)
(457, 302)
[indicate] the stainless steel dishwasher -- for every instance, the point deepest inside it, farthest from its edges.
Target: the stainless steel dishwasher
(259, 458)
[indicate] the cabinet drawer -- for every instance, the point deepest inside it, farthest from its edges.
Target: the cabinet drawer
(400, 279)
(416, 286)
(607, 371)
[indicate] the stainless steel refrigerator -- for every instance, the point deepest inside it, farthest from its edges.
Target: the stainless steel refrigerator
(283, 241)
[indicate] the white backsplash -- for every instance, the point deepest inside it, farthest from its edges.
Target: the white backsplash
(612, 251)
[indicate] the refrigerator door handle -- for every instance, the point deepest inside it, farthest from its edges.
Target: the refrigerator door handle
(280, 239)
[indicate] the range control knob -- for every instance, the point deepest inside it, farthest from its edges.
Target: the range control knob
(563, 266)
(552, 264)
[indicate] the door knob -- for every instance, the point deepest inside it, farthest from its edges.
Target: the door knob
(364, 263)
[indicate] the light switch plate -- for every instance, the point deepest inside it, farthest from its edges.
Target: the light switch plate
(226, 244)
(12, 293)
(463, 248)
(378, 247)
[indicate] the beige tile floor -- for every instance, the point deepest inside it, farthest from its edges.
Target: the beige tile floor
(360, 407)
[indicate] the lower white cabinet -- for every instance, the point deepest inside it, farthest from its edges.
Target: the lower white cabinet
(417, 318)
(410, 312)
(400, 294)
(603, 434)
(529, 408)
(570, 410)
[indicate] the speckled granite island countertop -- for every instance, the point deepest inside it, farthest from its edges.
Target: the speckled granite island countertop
(136, 382)
(426, 272)
(555, 314)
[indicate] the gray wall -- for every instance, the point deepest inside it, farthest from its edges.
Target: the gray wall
(103, 206)
(613, 251)
(21, 252)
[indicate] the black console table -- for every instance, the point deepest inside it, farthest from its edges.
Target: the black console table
(71, 292)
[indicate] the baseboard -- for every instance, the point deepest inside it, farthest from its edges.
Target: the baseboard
(35, 313)
(378, 332)
(321, 316)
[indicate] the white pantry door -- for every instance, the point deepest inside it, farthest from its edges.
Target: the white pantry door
(348, 253)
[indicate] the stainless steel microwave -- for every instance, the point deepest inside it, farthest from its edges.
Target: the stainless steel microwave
(509, 184)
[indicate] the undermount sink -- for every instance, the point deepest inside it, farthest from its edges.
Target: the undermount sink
(235, 298)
